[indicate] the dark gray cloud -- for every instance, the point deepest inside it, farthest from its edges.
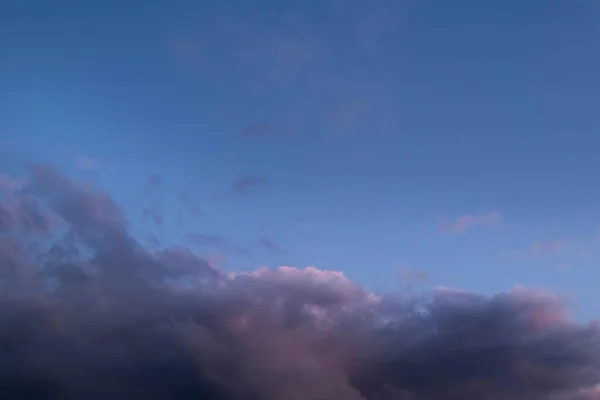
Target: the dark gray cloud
(89, 313)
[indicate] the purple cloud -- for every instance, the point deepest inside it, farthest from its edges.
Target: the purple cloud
(93, 314)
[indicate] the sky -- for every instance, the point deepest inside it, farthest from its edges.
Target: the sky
(421, 143)
(312, 200)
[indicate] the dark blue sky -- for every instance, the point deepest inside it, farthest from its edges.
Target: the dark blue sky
(457, 138)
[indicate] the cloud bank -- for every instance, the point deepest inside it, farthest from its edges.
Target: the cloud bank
(86, 312)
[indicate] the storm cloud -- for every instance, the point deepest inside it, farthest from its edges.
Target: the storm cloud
(86, 312)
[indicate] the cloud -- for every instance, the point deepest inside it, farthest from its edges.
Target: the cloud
(412, 276)
(155, 179)
(189, 205)
(467, 222)
(270, 245)
(8, 183)
(257, 129)
(264, 129)
(247, 183)
(215, 241)
(93, 314)
(186, 49)
(544, 248)
(348, 115)
(153, 213)
(86, 163)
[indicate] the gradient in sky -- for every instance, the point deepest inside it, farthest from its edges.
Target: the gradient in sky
(441, 142)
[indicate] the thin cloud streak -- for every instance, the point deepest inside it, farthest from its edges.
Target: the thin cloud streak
(468, 222)
(412, 276)
(155, 179)
(87, 163)
(247, 183)
(215, 241)
(257, 129)
(543, 248)
(270, 245)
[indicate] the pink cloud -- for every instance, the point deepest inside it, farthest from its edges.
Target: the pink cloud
(412, 276)
(545, 247)
(542, 248)
(470, 221)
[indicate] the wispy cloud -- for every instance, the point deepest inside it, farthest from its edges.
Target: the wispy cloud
(187, 49)
(248, 182)
(564, 252)
(8, 183)
(270, 245)
(550, 248)
(261, 129)
(413, 276)
(257, 129)
(307, 223)
(189, 204)
(546, 247)
(154, 214)
(86, 163)
(155, 179)
(348, 115)
(470, 221)
(215, 241)
(276, 56)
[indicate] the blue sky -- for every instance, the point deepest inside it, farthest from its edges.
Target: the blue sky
(368, 128)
